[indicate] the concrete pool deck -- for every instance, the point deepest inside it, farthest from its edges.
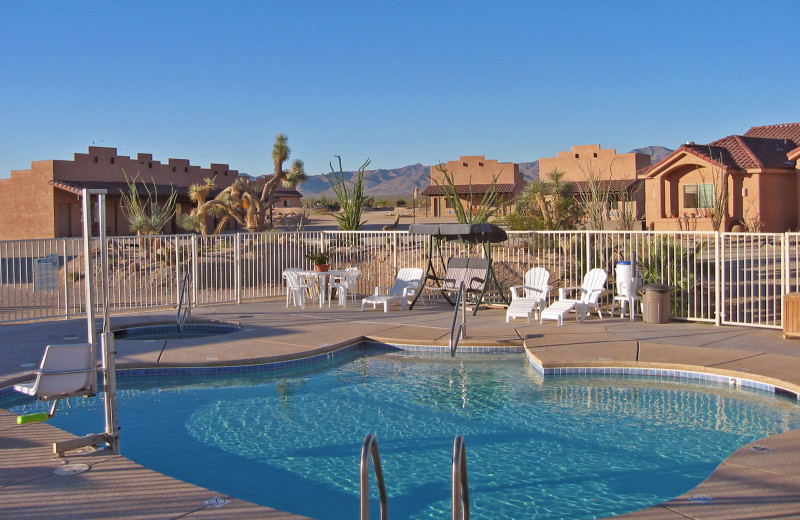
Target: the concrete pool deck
(752, 483)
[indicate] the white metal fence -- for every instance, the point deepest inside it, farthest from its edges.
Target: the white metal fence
(723, 278)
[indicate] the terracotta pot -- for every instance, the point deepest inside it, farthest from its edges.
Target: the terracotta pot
(321, 268)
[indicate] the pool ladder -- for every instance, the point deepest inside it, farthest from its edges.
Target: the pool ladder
(460, 481)
(184, 295)
(462, 328)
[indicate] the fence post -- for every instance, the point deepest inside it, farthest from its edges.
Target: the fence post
(237, 266)
(394, 248)
(589, 264)
(177, 271)
(719, 272)
(66, 279)
(193, 267)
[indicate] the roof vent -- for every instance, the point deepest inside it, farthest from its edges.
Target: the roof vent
(689, 142)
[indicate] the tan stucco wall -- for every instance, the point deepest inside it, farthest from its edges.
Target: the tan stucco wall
(474, 170)
(30, 206)
(103, 164)
(27, 203)
(582, 157)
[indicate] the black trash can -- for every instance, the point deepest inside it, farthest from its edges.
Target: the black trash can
(656, 303)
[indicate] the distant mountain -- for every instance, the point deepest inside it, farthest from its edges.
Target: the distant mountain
(402, 181)
(656, 152)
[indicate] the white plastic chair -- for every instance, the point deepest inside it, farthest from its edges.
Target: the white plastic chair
(594, 284)
(408, 281)
(296, 285)
(533, 296)
(344, 285)
(65, 371)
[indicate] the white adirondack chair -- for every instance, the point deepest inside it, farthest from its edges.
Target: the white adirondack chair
(531, 297)
(407, 283)
(588, 294)
(594, 284)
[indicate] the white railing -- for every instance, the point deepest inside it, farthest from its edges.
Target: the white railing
(726, 278)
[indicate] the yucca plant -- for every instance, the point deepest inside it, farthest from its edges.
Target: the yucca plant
(146, 216)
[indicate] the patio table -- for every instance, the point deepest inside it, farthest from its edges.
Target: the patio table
(322, 280)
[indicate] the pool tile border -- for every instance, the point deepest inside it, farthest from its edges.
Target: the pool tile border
(688, 375)
(666, 373)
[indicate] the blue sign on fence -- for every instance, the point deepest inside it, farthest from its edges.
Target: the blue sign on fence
(45, 273)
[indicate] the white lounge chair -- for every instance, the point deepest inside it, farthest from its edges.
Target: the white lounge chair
(296, 285)
(594, 283)
(344, 285)
(65, 371)
(407, 283)
(531, 297)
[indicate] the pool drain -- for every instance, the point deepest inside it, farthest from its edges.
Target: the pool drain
(215, 502)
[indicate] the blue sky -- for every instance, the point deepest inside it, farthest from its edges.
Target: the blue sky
(399, 82)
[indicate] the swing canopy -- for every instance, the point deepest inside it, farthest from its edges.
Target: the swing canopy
(473, 233)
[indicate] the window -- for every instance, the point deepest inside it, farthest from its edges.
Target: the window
(698, 196)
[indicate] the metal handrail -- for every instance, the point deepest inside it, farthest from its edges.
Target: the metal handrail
(454, 338)
(370, 447)
(460, 496)
(182, 317)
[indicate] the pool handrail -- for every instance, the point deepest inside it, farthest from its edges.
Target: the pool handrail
(370, 447)
(454, 338)
(187, 310)
(460, 493)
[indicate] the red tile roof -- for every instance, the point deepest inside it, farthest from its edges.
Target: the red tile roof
(466, 189)
(762, 147)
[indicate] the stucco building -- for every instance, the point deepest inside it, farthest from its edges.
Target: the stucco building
(614, 173)
(755, 174)
(44, 201)
(472, 177)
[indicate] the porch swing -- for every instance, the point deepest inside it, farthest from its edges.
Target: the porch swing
(476, 273)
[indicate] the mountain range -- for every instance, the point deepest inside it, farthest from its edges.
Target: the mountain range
(402, 181)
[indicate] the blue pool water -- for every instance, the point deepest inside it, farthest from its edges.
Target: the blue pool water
(562, 447)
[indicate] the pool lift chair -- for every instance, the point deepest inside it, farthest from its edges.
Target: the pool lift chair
(476, 272)
(71, 370)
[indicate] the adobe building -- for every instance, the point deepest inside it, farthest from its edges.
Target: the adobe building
(617, 173)
(45, 200)
(472, 176)
(756, 171)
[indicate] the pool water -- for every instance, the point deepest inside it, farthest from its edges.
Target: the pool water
(562, 447)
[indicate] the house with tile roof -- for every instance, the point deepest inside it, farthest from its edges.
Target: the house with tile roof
(472, 178)
(45, 200)
(751, 180)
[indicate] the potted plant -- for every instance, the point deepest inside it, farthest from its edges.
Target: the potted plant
(321, 260)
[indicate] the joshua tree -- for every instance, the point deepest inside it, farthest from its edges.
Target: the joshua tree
(196, 220)
(243, 201)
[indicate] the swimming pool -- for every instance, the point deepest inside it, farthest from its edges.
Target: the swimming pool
(563, 446)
